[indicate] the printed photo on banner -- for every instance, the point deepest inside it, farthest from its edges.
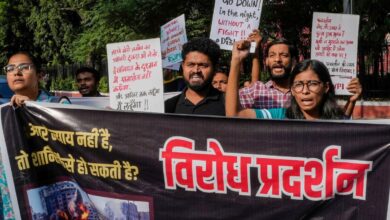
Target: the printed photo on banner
(173, 36)
(334, 41)
(66, 200)
(135, 76)
(61, 200)
(126, 207)
(93, 169)
(234, 20)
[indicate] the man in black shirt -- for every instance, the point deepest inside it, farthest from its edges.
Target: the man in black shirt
(200, 60)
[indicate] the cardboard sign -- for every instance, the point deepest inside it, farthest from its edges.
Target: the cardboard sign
(135, 76)
(234, 20)
(173, 36)
(334, 42)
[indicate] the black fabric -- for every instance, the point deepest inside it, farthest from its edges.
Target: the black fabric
(143, 141)
(175, 85)
(60, 99)
(213, 104)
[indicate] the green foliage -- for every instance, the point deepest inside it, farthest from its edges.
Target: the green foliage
(103, 85)
(77, 31)
(292, 20)
(107, 22)
(54, 25)
(66, 84)
(374, 25)
(3, 31)
(14, 33)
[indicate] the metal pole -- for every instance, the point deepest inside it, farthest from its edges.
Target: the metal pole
(351, 7)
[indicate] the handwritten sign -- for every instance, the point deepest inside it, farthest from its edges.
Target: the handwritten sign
(173, 36)
(234, 20)
(340, 84)
(334, 42)
(135, 76)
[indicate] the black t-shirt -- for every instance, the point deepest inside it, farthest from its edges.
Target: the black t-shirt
(213, 104)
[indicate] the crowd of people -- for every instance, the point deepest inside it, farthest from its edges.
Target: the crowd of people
(296, 89)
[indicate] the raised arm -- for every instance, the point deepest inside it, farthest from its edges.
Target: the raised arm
(256, 37)
(355, 88)
(239, 53)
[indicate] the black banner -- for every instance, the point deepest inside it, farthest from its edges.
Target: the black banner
(90, 164)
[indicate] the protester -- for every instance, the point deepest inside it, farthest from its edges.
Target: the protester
(311, 88)
(281, 56)
(313, 93)
(23, 76)
(200, 60)
(255, 37)
(220, 79)
(87, 81)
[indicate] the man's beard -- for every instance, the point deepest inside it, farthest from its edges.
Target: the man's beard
(285, 75)
(198, 87)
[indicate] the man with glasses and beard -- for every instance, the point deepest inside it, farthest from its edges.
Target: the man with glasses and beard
(281, 57)
(200, 60)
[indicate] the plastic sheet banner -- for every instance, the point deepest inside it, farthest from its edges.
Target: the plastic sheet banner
(95, 164)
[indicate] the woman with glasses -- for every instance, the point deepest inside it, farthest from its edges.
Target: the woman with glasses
(313, 95)
(312, 91)
(23, 76)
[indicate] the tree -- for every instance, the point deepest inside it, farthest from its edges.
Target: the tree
(15, 34)
(103, 23)
(374, 25)
(71, 31)
(54, 28)
(292, 19)
(124, 20)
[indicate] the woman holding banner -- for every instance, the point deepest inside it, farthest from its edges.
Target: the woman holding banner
(23, 76)
(311, 87)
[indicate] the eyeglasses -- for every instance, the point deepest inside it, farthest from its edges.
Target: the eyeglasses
(20, 68)
(312, 85)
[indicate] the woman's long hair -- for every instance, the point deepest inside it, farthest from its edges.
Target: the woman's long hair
(328, 107)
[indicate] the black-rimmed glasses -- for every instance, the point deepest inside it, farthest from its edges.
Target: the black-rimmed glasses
(312, 85)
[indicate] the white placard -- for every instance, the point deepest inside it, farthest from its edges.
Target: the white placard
(234, 20)
(340, 84)
(173, 36)
(334, 41)
(135, 76)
